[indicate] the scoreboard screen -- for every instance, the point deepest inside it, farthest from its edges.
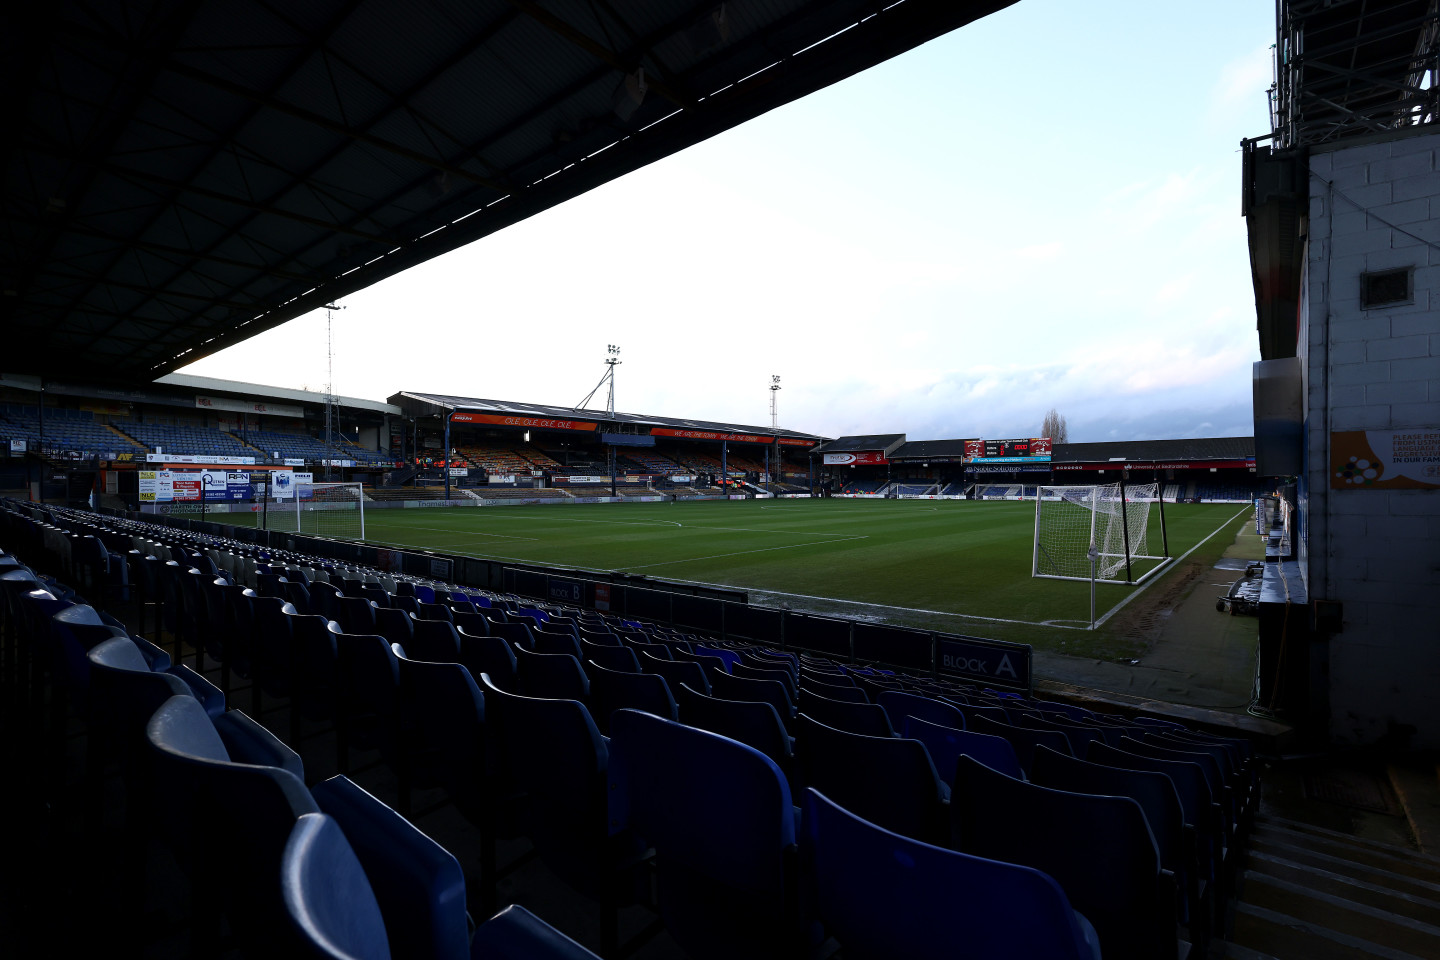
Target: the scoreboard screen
(1008, 448)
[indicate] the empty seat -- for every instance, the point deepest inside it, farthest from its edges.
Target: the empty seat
(727, 890)
(868, 719)
(612, 690)
(888, 781)
(946, 745)
(884, 895)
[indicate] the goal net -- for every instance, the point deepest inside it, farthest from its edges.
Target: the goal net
(1069, 519)
(999, 491)
(334, 510)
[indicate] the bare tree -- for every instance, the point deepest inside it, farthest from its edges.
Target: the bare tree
(1054, 427)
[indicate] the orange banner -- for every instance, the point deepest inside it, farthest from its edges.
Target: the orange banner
(535, 423)
(709, 435)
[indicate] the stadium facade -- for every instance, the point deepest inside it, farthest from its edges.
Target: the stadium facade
(1342, 203)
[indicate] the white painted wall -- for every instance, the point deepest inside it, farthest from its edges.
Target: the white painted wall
(1376, 552)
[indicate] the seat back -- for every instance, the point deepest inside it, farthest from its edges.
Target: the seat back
(773, 692)
(1075, 838)
(867, 719)
(728, 889)
(554, 676)
(947, 744)
(610, 657)
(1022, 739)
(754, 723)
(676, 672)
(881, 895)
(418, 885)
(432, 611)
(900, 704)
(889, 781)
(612, 690)
(745, 668)
(433, 640)
(395, 625)
(330, 908)
(849, 693)
(550, 641)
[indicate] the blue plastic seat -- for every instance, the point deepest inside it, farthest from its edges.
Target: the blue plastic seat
(418, 885)
(554, 676)
(752, 723)
(747, 670)
(367, 697)
(947, 744)
(867, 719)
(612, 690)
(1076, 838)
(549, 641)
(394, 625)
(889, 781)
(1156, 795)
(610, 657)
(727, 687)
(900, 704)
(728, 889)
(330, 908)
(433, 640)
(1023, 739)
(849, 693)
(883, 895)
(557, 756)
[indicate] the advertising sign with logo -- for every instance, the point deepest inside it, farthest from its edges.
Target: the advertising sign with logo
(681, 477)
(237, 486)
(214, 484)
(17, 446)
(156, 486)
(863, 458)
(191, 458)
(293, 462)
(1385, 459)
(602, 596)
(304, 485)
(501, 478)
(538, 423)
(245, 406)
(282, 484)
(188, 486)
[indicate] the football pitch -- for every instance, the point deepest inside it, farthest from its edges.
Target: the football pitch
(943, 564)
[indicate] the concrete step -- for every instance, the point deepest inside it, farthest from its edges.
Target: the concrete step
(1356, 889)
(1314, 844)
(1361, 922)
(1260, 931)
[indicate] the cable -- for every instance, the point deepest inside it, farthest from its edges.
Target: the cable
(1356, 204)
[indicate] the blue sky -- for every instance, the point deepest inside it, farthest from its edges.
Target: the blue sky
(1040, 209)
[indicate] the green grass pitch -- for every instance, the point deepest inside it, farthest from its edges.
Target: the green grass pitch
(928, 563)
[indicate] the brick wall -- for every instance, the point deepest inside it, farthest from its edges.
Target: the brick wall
(1373, 207)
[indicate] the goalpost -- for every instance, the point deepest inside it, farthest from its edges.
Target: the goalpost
(335, 510)
(1113, 518)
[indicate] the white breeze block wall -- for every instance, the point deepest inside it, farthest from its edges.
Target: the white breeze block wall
(1377, 552)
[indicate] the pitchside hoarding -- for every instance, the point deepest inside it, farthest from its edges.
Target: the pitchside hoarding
(988, 661)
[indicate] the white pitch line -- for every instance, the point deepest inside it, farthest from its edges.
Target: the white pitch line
(1175, 563)
(478, 533)
(623, 523)
(741, 553)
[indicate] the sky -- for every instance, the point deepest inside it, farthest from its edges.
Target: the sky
(1041, 209)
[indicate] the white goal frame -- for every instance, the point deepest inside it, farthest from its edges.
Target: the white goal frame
(312, 516)
(1118, 520)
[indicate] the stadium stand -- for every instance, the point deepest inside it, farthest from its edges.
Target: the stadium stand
(1094, 849)
(188, 439)
(68, 432)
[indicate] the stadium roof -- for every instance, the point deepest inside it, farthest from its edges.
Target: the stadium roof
(259, 390)
(884, 442)
(924, 449)
(1210, 448)
(437, 405)
(183, 174)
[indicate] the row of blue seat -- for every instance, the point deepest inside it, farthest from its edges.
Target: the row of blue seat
(270, 852)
